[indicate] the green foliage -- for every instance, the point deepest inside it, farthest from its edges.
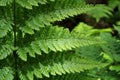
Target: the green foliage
(6, 73)
(5, 51)
(107, 53)
(54, 11)
(87, 30)
(76, 76)
(114, 4)
(4, 27)
(29, 3)
(5, 2)
(56, 39)
(32, 48)
(57, 64)
(100, 11)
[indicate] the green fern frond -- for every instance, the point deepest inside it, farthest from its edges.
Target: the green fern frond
(117, 27)
(53, 39)
(116, 68)
(6, 73)
(30, 3)
(111, 51)
(114, 4)
(91, 52)
(5, 51)
(55, 11)
(31, 48)
(5, 2)
(75, 76)
(85, 30)
(5, 27)
(100, 11)
(56, 65)
(112, 46)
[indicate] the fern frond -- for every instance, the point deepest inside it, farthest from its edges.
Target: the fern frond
(91, 52)
(112, 46)
(85, 30)
(5, 51)
(100, 11)
(116, 68)
(55, 11)
(53, 39)
(5, 27)
(6, 73)
(57, 64)
(117, 27)
(5, 2)
(75, 76)
(6, 41)
(114, 4)
(29, 3)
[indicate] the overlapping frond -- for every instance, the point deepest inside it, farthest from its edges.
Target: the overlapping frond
(112, 47)
(116, 68)
(100, 11)
(25, 3)
(92, 51)
(53, 39)
(85, 30)
(6, 39)
(5, 51)
(75, 76)
(34, 48)
(6, 73)
(5, 2)
(114, 4)
(56, 11)
(117, 27)
(5, 27)
(30, 3)
(56, 64)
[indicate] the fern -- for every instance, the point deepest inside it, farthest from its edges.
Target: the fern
(116, 68)
(5, 2)
(100, 11)
(112, 48)
(29, 3)
(56, 39)
(117, 27)
(5, 27)
(58, 65)
(76, 76)
(114, 4)
(31, 47)
(52, 12)
(5, 51)
(87, 30)
(109, 51)
(6, 73)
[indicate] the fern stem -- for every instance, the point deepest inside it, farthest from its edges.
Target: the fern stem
(14, 19)
(14, 52)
